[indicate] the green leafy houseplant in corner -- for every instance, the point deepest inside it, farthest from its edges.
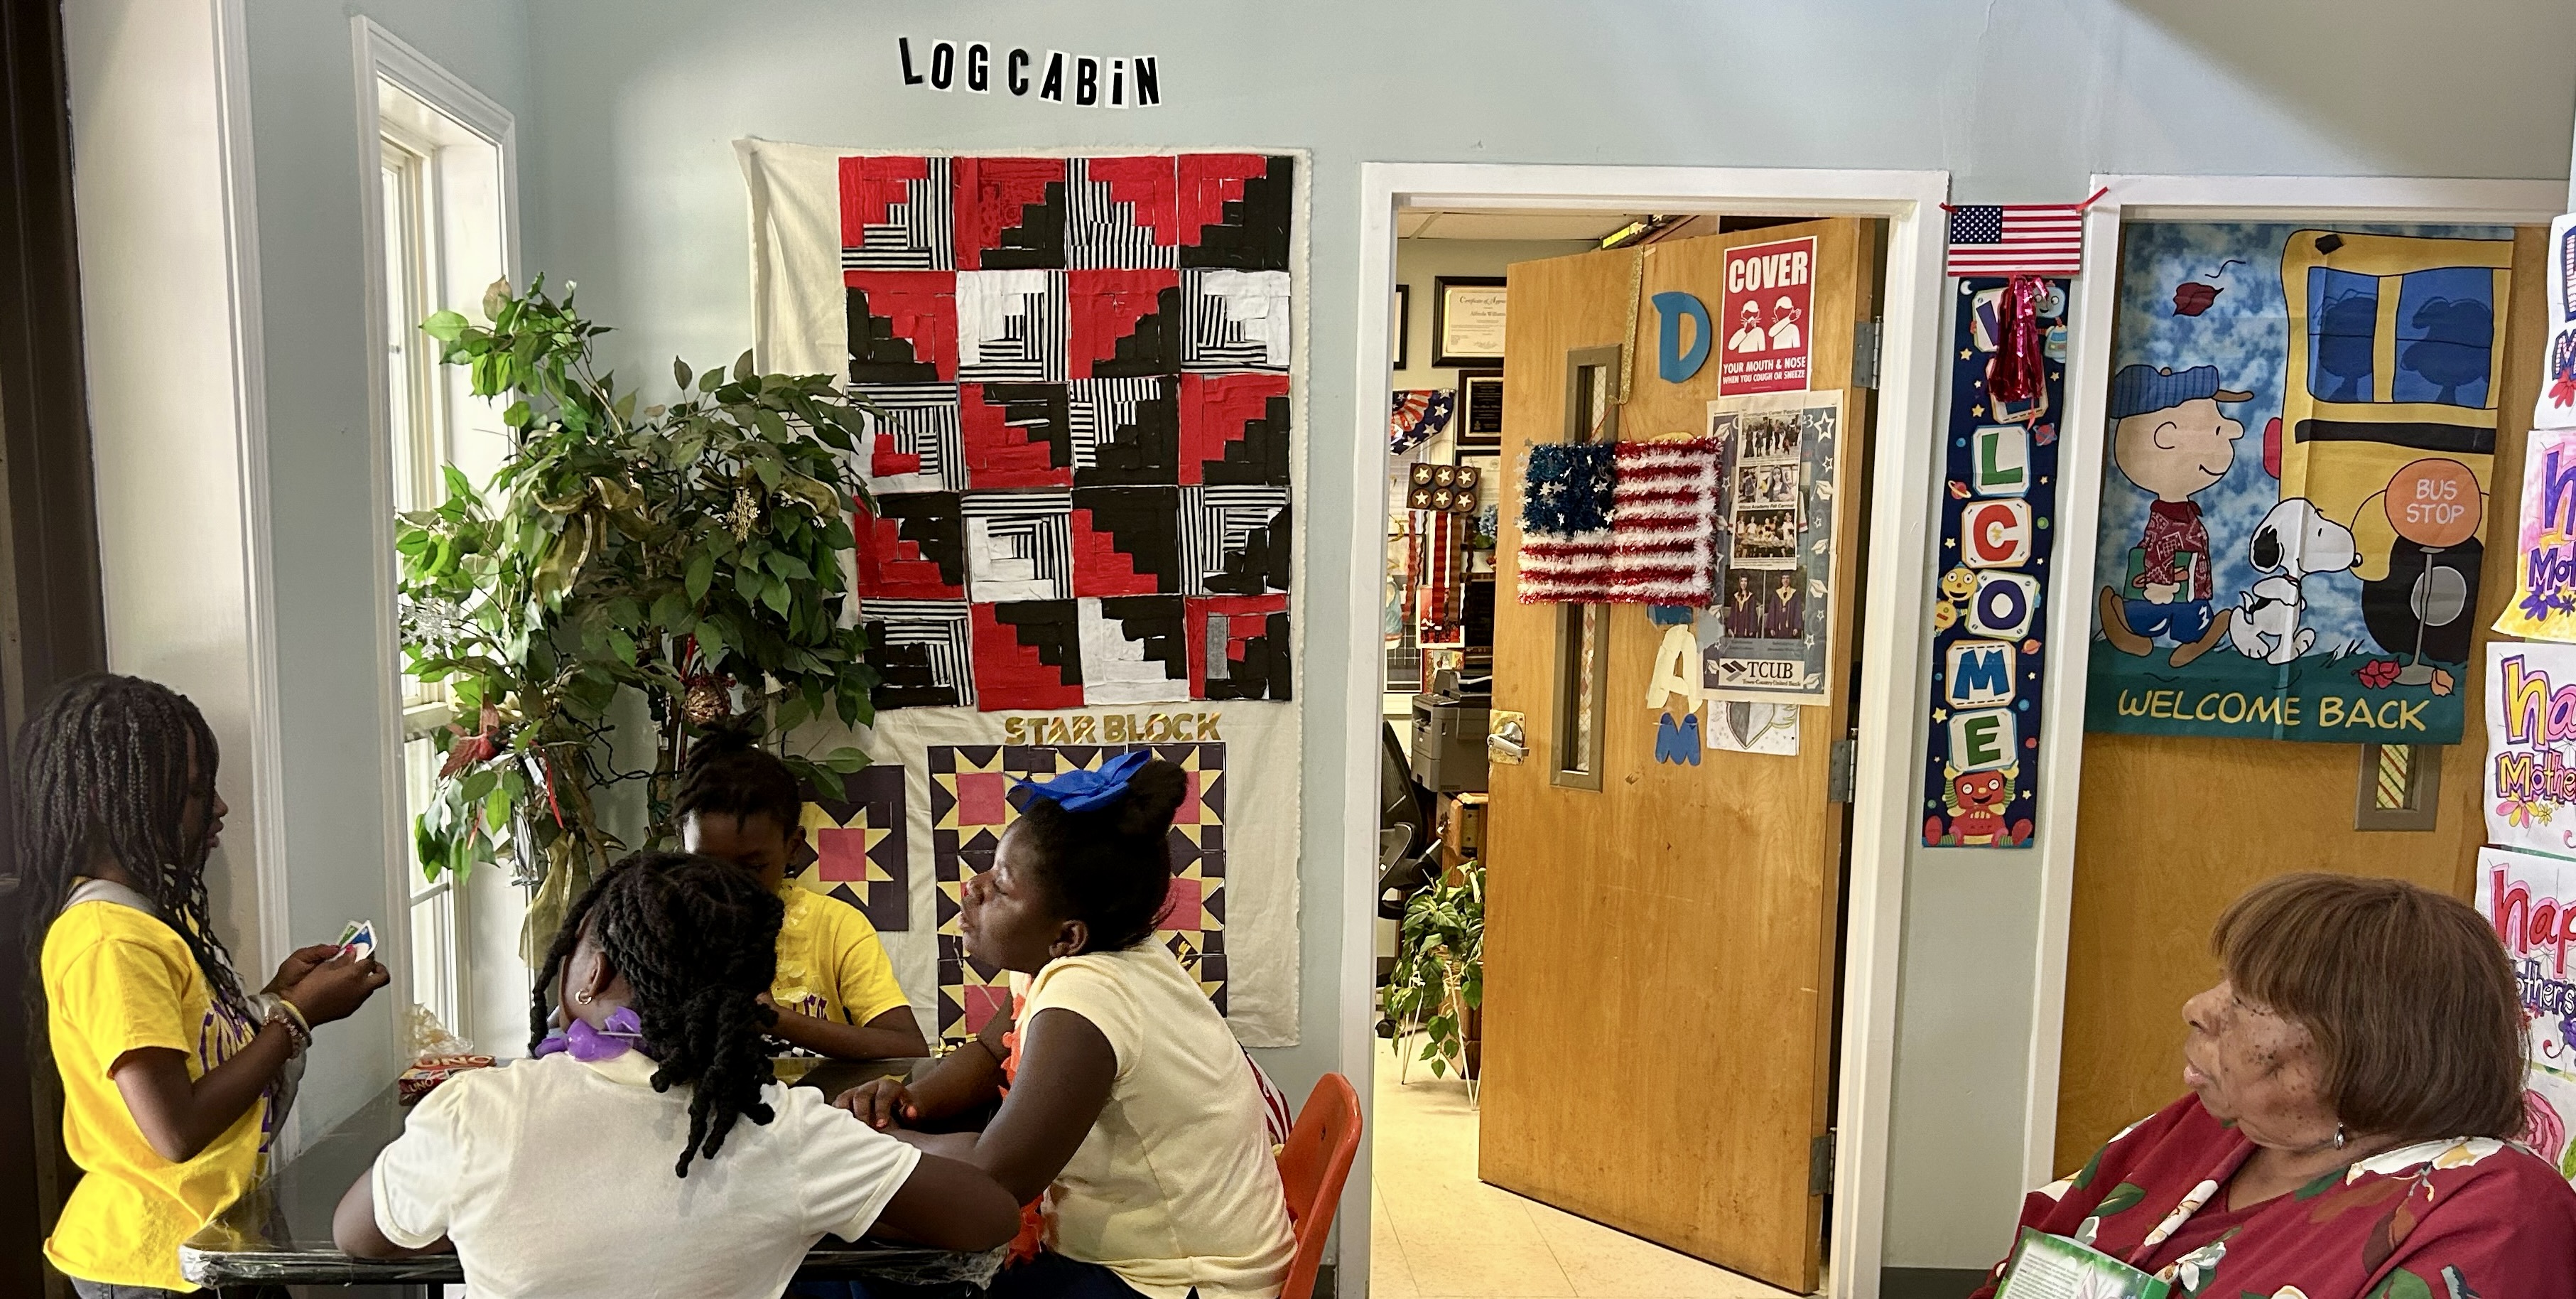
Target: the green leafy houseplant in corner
(688, 552)
(1439, 972)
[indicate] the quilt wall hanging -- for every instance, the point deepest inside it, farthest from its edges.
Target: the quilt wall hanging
(2294, 510)
(1997, 502)
(1766, 639)
(1084, 495)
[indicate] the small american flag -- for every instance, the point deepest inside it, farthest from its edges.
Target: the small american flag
(2018, 238)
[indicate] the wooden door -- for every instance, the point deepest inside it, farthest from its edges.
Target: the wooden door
(1660, 951)
(2149, 883)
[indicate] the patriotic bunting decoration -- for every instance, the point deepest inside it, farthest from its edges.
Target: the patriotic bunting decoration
(1419, 416)
(2018, 238)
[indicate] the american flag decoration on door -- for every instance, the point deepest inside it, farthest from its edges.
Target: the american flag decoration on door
(2018, 238)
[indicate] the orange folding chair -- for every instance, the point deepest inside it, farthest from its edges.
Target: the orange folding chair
(1313, 1166)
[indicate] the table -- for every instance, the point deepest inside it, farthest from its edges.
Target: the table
(280, 1233)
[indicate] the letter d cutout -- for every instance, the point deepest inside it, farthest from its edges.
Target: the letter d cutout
(1672, 362)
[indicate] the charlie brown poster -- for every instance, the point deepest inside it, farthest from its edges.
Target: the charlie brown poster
(2301, 434)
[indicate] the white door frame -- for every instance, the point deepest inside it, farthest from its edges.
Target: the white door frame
(1888, 774)
(2079, 499)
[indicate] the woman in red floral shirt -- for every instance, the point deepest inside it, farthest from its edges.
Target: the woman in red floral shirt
(2356, 1083)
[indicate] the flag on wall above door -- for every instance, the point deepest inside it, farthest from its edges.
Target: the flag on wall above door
(2018, 238)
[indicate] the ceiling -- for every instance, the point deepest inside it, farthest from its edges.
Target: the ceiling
(1424, 224)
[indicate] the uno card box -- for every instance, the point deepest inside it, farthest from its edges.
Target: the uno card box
(426, 1073)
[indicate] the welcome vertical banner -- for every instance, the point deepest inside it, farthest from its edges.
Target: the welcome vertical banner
(1981, 780)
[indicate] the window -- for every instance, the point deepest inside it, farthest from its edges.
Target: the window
(1583, 630)
(439, 191)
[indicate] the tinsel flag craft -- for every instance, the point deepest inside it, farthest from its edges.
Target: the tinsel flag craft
(1084, 366)
(1565, 547)
(1663, 522)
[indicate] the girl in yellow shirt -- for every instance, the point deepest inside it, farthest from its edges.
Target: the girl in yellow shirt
(173, 1077)
(835, 990)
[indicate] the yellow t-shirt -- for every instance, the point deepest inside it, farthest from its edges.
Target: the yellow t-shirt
(1175, 1188)
(118, 979)
(830, 963)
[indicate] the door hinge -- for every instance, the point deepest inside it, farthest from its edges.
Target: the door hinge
(1820, 1164)
(1865, 336)
(1840, 764)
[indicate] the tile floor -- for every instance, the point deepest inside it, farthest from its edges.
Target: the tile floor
(1438, 1233)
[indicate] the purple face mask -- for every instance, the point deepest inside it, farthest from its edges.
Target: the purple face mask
(591, 1045)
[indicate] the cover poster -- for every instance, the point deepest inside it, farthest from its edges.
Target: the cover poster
(2526, 898)
(2302, 433)
(1997, 500)
(1763, 314)
(1766, 640)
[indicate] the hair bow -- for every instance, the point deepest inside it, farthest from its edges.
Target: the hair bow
(1088, 791)
(608, 1041)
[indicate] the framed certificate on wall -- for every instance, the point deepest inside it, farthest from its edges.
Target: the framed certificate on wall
(1466, 320)
(1480, 411)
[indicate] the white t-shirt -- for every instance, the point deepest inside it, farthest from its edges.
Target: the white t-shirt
(553, 1178)
(1175, 1188)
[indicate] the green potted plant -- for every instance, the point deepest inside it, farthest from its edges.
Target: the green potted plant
(1438, 985)
(687, 553)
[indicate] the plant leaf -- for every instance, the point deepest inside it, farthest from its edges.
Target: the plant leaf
(702, 572)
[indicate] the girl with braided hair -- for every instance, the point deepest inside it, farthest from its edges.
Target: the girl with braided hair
(1129, 1105)
(174, 1079)
(647, 1147)
(835, 991)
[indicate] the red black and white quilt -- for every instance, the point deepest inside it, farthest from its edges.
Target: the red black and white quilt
(1084, 477)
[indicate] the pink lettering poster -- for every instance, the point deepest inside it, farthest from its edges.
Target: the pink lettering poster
(2544, 552)
(1769, 290)
(2530, 775)
(2531, 901)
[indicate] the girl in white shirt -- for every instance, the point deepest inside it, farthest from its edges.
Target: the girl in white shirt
(556, 1177)
(1133, 1111)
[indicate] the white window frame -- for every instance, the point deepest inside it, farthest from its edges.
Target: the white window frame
(406, 713)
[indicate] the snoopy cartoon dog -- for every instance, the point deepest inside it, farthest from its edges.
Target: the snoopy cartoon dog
(2292, 543)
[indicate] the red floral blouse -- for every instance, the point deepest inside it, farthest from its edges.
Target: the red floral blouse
(2450, 1219)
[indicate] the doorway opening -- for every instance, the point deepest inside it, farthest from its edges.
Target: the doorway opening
(1523, 310)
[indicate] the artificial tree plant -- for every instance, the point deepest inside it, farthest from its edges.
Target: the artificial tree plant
(1439, 978)
(688, 553)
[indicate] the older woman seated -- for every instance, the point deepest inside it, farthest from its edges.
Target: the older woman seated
(2356, 1082)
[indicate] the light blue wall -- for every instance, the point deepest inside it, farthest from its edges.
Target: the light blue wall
(627, 108)
(308, 182)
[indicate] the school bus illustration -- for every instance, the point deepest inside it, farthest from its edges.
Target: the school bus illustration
(2394, 360)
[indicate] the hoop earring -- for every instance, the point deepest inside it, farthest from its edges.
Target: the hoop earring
(2339, 1138)
(584, 998)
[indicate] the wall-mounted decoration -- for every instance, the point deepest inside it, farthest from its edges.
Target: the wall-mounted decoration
(2527, 899)
(1766, 639)
(1742, 726)
(1480, 405)
(2045, 239)
(2531, 746)
(1663, 522)
(2544, 553)
(1996, 503)
(1399, 327)
(1567, 492)
(1769, 293)
(1467, 320)
(857, 846)
(1438, 566)
(1449, 489)
(2294, 507)
(1675, 360)
(1081, 536)
(1420, 415)
(2556, 406)
(1082, 80)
